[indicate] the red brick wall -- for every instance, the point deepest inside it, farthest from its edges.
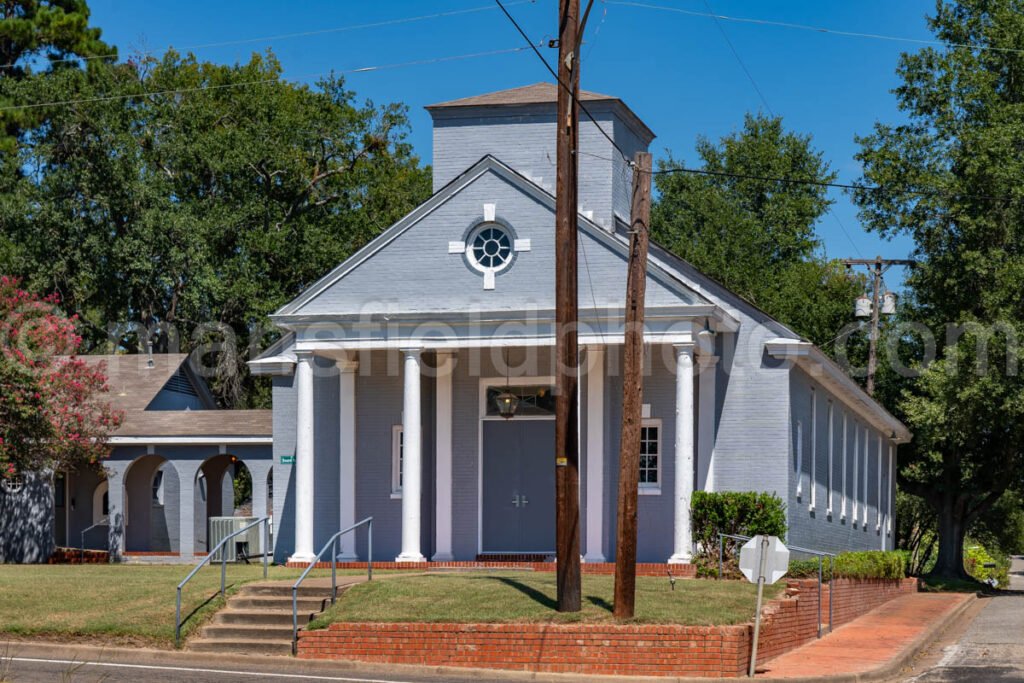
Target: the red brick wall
(652, 650)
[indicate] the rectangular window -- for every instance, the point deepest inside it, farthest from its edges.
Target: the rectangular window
(650, 456)
(158, 487)
(799, 459)
(878, 501)
(397, 442)
(867, 441)
(842, 503)
(59, 486)
(891, 489)
(856, 469)
(831, 460)
(814, 449)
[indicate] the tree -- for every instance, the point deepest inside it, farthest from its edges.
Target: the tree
(199, 198)
(52, 416)
(38, 36)
(952, 178)
(755, 236)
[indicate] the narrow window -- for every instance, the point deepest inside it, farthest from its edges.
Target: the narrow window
(842, 512)
(878, 501)
(650, 457)
(799, 459)
(856, 469)
(867, 441)
(397, 442)
(892, 488)
(831, 454)
(814, 449)
(158, 488)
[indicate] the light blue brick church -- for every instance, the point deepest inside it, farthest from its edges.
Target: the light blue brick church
(385, 386)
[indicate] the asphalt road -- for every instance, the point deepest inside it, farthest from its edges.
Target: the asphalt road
(991, 650)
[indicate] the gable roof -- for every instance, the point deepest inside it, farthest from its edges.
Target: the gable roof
(538, 93)
(133, 383)
(486, 164)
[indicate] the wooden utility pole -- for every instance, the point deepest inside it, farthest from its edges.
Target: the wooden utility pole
(632, 389)
(567, 453)
(877, 267)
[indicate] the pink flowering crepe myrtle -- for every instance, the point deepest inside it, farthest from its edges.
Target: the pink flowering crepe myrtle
(52, 412)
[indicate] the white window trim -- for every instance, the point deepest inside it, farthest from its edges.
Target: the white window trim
(396, 462)
(799, 459)
(842, 512)
(831, 458)
(867, 457)
(653, 489)
(878, 511)
(813, 483)
(892, 488)
(856, 470)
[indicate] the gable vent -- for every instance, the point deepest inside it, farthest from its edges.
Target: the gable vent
(180, 384)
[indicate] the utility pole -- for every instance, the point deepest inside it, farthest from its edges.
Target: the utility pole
(632, 390)
(567, 454)
(876, 267)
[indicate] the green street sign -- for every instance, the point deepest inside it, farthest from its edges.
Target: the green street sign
(287, 459)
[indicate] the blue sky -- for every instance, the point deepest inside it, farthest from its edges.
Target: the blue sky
(676, 71)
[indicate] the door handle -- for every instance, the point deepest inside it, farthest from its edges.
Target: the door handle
(515, 500)
(523, 500)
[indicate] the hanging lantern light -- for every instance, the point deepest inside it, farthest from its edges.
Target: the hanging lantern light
(862, 306)
(889, 303)
(506, 401)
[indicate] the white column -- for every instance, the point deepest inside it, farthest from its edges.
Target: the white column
(347, 456)
(595, 453)
(443, 458)
(305, 470)
(683, 545)
(706, 428)
(412, 462)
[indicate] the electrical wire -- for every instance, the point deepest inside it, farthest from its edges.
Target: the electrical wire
(564, 86)
(289, 36)
(200, 88)
(817, 29)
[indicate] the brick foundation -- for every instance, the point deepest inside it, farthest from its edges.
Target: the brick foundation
(76, 556)
(680, 571)
(596, 649)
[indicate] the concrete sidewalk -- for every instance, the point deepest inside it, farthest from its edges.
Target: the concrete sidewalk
(875, 646)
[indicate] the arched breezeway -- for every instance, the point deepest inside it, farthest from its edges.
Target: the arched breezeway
(151, 492)
(223, 487)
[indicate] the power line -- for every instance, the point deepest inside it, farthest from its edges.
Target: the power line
(575, 99)
(817, 29)
(289, 36)
(200, 88)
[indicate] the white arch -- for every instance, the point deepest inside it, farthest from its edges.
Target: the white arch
(99, 493)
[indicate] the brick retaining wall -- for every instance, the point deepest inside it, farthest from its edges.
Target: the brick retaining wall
(649, 649)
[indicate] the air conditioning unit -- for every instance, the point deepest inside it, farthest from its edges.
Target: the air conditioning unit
(242, 545)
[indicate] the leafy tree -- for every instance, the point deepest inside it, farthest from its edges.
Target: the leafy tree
(37, 36)
(953, 177)
(52, 415)
(757, 236)
(181, 193)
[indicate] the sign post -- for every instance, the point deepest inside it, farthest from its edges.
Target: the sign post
(763, 559)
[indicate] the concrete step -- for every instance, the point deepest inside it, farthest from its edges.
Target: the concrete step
(278, 647)
(260, 632)
(284, 590)
(244, 617)
(276, 604)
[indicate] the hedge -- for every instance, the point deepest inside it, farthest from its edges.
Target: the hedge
(732, 512)
(873, 564)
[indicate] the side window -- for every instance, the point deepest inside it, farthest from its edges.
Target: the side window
(397, 442)
(650, 456)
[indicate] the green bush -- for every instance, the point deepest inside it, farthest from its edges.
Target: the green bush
(808, 569)
(872, 564)
(732, 512)
(976, 557)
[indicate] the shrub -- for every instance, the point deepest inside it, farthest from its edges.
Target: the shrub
(732, 512)
(872, 564)
(997, 574)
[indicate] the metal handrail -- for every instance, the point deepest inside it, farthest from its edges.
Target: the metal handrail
(265, 521)
(86, 530)
(332, 544)
(807, 551)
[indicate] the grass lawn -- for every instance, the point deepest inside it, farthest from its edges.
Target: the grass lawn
(530, 597)
(115, 603)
